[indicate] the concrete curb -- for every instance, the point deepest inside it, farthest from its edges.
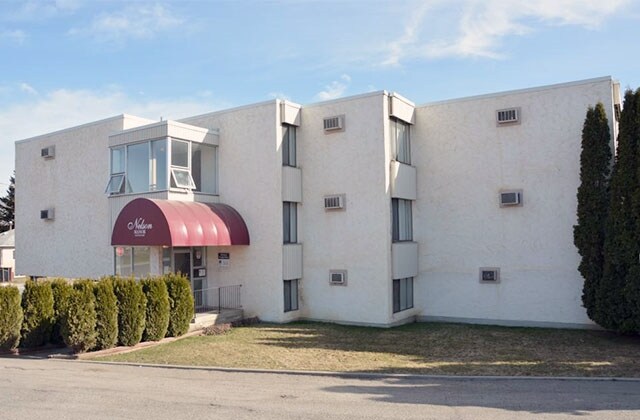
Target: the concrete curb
(364, 375)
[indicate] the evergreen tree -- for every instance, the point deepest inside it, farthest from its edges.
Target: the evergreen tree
(593, 202)
(621, 248)
(8, 206)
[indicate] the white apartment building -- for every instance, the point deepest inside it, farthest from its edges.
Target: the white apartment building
(363, 210)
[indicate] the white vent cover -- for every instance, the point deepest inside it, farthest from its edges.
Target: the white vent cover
(334, 123)
(334, 202)
(48, 152)
(46, 214)
(489, 275)
(508, 116)
(338, 277)
(510, 198)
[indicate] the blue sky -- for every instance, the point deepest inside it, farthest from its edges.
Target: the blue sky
(68, 62)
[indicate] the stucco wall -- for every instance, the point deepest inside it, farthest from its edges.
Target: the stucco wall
(76, 243)
(250, 180)
(463, 161)
(357, 239)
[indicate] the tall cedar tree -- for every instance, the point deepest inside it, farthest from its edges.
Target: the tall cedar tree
(593, 202)
(8, 206)
(621, 248)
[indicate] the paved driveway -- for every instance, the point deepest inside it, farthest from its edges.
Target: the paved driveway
(55, 389)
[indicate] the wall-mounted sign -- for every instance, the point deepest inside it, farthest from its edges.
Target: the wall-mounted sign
(200, 272)
(223, 259)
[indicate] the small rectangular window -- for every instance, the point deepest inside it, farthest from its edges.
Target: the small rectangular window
(290, 222)
(179, 153)
(158, 165)
(117, 160)
(290, 295)
(401, 136)
(402, 294)
(181, 178)
(289, 145)
(402, 220)
(116, 184)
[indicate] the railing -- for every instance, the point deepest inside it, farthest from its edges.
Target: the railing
(6, 274)
(216, 299)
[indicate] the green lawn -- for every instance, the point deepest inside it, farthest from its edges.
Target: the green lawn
(426, 348)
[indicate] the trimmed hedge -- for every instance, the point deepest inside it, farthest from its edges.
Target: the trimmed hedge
(79, 320)
(37, 306)
(61, 290)
(157, 314)
(180, 304)
(106, 314)
(131, 310)
(11, 317)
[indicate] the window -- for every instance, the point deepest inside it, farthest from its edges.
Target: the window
(116, 181)
(402, 294)
(134, 261)
(289, 145)
(158, 165)
(180, 173)
(137, 168)
(203, 167)
(400, 133)
(290, 295)
(181, 178)
(402, 223)
(290, 222)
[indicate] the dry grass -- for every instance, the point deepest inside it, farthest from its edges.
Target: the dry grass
(417, 348)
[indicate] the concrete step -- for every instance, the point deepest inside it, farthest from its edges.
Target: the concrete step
(205, 319)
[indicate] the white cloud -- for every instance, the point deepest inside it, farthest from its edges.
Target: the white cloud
(25, 87)
(138, 21)
(67, 108)
(334, 89)
(15, 37)
(34, 10)
(477, 28)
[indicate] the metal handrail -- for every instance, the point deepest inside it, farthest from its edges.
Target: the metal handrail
(216, 299)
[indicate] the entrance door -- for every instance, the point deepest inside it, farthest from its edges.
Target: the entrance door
(182, 263)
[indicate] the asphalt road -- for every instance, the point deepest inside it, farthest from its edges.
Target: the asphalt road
(57, 389)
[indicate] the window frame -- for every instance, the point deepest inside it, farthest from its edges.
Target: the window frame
(401, 220)
(291, 298)
(404, 157)
(289, 145)
(400, 287)
(289, 222)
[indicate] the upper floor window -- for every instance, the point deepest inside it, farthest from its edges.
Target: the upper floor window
(290, 222)
(401, 135)
(289, 145)
(402, 223)
(161, 164)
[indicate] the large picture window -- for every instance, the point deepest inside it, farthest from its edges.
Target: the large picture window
(401, 135)
(290, 222)
(402, 294)
(402, 223)
(148, 166)
(290, 295)
(134, 261)
(289, 145)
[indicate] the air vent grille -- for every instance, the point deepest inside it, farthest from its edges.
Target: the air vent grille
(48, 152)
(338, 277)
(508, 116)
(510, 198)
(334, 202)
(489, 275)
(335, 123)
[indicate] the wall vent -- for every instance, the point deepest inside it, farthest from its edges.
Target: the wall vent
(338, 277)
(334, 202)
(508, 116)
(335, 123)
(489, 275)
(48, 152)
(46, 214)
(510, 198)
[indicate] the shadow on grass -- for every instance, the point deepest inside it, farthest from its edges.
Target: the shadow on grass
(533, 396)
(436, 348)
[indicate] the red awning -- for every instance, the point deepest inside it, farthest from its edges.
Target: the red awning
(149, 222)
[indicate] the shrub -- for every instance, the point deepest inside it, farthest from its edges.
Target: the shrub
(37, 306)
(217, 329)
(131, 310)
(10, 317)
(106, 314)
(157, 314)
(180, 304)
(61, 290)
(79, 319)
